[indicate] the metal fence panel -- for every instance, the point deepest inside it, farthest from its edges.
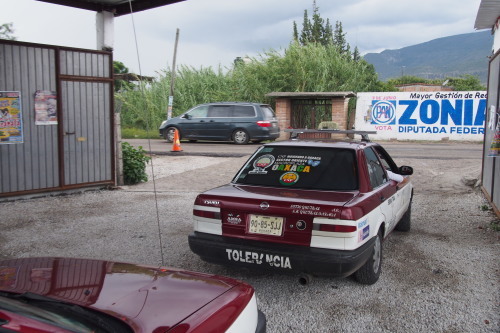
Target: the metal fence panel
(78, 149)
(32, 164)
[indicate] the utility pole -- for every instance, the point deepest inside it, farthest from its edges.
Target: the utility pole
(172, 78)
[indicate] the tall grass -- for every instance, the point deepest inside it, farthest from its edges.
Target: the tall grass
(310, 68)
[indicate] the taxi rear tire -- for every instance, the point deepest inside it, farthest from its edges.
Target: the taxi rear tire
(370, 271)
(405, 223)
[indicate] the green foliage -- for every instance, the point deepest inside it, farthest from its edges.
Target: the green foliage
(137, 133)
(408, 79)
(495, 225)
(314, 30)
(312, 67)
(464, 83)
(339, 39)
(134, 164)
(145, 107)
(7, 31)
(318, 31)
(120, 68)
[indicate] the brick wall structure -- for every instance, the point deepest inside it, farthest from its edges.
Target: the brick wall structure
(283, 109)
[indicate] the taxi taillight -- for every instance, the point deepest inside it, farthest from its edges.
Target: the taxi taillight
(206, 214)
(337, 228)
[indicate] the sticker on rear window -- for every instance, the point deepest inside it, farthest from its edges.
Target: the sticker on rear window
(296, 163)
(261, 164)
(289, 178)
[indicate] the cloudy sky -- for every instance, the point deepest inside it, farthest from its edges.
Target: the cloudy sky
(215, 32)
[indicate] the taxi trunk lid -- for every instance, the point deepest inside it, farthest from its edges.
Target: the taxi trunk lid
(279, 215)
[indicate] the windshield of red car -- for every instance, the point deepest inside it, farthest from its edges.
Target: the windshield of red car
(66, 316)
(315, 168)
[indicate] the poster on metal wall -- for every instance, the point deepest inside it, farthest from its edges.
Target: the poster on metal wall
(11, 120)
(45, 107)
(495, 142)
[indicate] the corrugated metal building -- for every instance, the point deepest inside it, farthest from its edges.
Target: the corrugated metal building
(75, 147)
(488, 17)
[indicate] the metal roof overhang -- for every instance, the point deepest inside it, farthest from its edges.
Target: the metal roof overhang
(487, 14)
(118, 7)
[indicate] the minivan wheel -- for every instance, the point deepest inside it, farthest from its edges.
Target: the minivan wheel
(240, 137)
(169, 133)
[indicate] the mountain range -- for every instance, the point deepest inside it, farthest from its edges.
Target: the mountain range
(439, 58)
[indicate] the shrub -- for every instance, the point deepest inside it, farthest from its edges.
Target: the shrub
(134, 164)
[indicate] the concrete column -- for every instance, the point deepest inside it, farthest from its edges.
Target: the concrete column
(118, 151)
(105, 30)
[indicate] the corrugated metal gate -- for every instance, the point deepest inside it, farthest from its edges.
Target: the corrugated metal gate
(78, 151)
(491, 165)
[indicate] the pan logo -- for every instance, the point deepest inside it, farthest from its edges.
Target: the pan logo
(384, 112)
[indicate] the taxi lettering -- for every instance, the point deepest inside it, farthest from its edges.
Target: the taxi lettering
(292, 167)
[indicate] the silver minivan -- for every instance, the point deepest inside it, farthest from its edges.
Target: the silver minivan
(238, 122)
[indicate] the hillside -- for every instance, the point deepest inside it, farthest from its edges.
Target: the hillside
(451, 56)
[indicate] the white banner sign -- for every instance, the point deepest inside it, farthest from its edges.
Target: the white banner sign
(436, 115)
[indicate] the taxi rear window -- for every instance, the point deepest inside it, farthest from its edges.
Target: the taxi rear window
(301, 167)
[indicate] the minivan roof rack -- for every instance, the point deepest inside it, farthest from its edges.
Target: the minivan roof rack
(294, 132)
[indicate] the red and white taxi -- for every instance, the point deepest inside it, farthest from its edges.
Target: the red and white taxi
(63, 295)
(312, 207)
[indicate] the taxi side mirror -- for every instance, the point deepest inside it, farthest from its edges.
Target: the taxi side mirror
(405, 170)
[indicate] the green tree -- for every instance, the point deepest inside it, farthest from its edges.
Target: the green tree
(295, 32)
(466, 83)
(7, 31)
(356, 56)
(314, 30)
(463, 83)
(328, 33)
(339, 39)
(319, 30)
(306, 34)
(120, 68)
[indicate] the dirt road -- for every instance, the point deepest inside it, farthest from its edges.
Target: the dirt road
(442, 276)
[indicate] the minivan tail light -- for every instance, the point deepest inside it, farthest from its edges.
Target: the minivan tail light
(263, 123)
(337, 228)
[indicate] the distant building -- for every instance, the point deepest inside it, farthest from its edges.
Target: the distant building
(422, 87)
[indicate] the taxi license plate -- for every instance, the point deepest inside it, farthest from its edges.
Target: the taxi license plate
(265, 225)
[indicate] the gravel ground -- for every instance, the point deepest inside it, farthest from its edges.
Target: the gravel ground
(442, 276)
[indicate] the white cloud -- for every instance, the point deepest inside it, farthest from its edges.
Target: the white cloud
(217, 31)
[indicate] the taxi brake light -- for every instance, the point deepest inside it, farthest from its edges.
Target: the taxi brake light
(337, 228)
(206, 214)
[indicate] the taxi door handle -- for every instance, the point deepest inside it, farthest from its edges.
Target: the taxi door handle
(382, 198)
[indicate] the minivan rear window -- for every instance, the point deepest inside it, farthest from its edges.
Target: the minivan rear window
(301, 167)
(268, 112)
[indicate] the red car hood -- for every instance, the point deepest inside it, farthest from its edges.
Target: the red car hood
(147, 298)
